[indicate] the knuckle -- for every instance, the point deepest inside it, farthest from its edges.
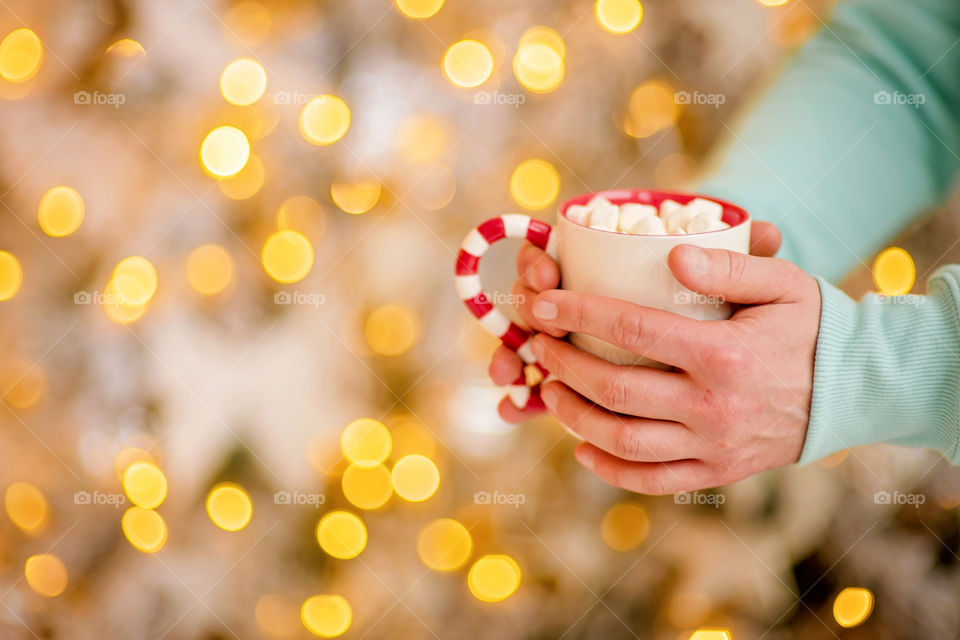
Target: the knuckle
(614, 392)
(736, 266)
(627, 331)
(722, 410)
(627, 444)
(725, 359)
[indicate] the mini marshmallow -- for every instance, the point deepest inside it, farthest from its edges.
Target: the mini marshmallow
(648, 226)
(604, 215)
(667, 207)
(677, 220)
(578, 213)
(703, 222)
(702, 206)
(631, 213)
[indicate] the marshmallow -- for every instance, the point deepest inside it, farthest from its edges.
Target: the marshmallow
(702, 206)
(703, 222)
(578, 213)
(604, 214)
(677, 220)
(667, 207)
(648, 226)
(631, 213)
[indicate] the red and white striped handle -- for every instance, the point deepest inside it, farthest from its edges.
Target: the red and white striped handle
(475, 245)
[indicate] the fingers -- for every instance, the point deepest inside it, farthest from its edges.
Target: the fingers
(505, 365)
(653, 478)
(736, 277)
(636, 439)
(658, 335)
(764, 239)
(636, 391)
(510, 413)
(524, 298)
(536, 269)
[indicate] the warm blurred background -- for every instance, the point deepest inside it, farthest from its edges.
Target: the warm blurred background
(227, 238)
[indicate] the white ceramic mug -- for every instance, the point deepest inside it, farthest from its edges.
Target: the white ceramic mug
(606, 263)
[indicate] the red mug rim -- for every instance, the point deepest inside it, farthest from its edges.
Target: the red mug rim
(732, 214)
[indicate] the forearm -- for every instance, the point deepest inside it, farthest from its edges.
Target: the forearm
(888, 370)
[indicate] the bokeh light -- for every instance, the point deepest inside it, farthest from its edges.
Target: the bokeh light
(127, 48)
(493, 578)
(618, 16)
(127, 456)
(411, 437)
(711, 634)
(355, 196)
(224, 151)
(423, 138)
(853, 606)
(534, 184)
(342, 534)
(22, 383)
(326, 616)
(287, 256)
(538, 66)
(27, 507)
(247, 182)
(302, 214)
(468, 63)
(390, 330)
(209, 269)
(21, 53)
(367, 485)
(324, 120)
(544, 35)
(444, 545)
(415, 478)
(11, 275)
(60, 212)
(229, 506)
(145, 484)
(134, 281)
(894, 272)
(652, 108)
(625, 526)
(46, 574)
(144, 529)
(243, 82)
(366, 440)
(247, 23)
(419, 8)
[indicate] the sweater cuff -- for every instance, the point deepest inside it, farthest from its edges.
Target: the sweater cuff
(887, 369)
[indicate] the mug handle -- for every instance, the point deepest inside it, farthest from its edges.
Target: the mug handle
(475, 245)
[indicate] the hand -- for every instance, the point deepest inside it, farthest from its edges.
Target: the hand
(738, 404)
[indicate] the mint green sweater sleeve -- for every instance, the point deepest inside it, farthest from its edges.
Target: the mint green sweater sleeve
(860, 133)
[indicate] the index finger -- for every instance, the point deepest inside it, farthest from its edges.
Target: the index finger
(537, 270)
(659, 335)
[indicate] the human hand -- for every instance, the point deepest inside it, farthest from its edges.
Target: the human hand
(738, 404)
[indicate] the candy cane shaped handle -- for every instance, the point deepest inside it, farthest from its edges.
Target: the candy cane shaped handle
(475, 245)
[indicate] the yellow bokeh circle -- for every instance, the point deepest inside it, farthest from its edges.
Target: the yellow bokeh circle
(21, 53)
(366, 440)
(494, 578)
(326, 616)
(391, 330)
(209, 269)
(415, 478)
(287, 256)
(355, 196)
(468, 63)
(538, 67)
(145, 484)
(366, 485)
(342, 534)
(419, 9)
(229, 506)
(11, 275)
(26, 506)
(144, 529)
(46, 574)
(625, 526)
(247, 182)
(243, 82)
(894, 272)
(618, 16)
(60, 212)
(444, 545)
(853, 606)
(534, 184)
(225, 151)
(134, 281)
(653, 107)
(324, 120)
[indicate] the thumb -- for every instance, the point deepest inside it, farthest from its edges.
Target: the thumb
(735, 276)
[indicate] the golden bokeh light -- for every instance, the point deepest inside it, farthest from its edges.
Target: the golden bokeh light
(21, 53)
(366, 440)
(539, 67)
(11, 275)
(209, 269)
(46, 574)
(444, 545)
(773, 3)
(145, 484)
(246, 183)
(435, 188)
(652, 108)
(127, 457)
(625, 526)
(60, 212)
(22, 383)
(225, 151)
(287, 256)
(115, 305)
(355, 196)
(423, 138)
(493, 578)
(134, 281)
(247, 23)
(243, 82)
(411, 437)
(894, 272)
(144, 529)
(326, 616)
(618, 16)
(127, 48)
(277, 616)
(419, 9)
(534, 184)
(324, 120)
(468, 63)
(26, 507)
(415, 478)
(853, 606)
(366, 485)
(548, 36)
(229, 506)
(391, 330)
(342, 534)
(303, 214)
(711, 634)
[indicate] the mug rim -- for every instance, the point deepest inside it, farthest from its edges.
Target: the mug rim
(655, 197)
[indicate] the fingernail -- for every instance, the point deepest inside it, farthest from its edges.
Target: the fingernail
(584, 458)
(549, 396)
(696, 260)
(544, 309)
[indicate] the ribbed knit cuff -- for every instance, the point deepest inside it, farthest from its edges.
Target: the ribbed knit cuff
(887, 369)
